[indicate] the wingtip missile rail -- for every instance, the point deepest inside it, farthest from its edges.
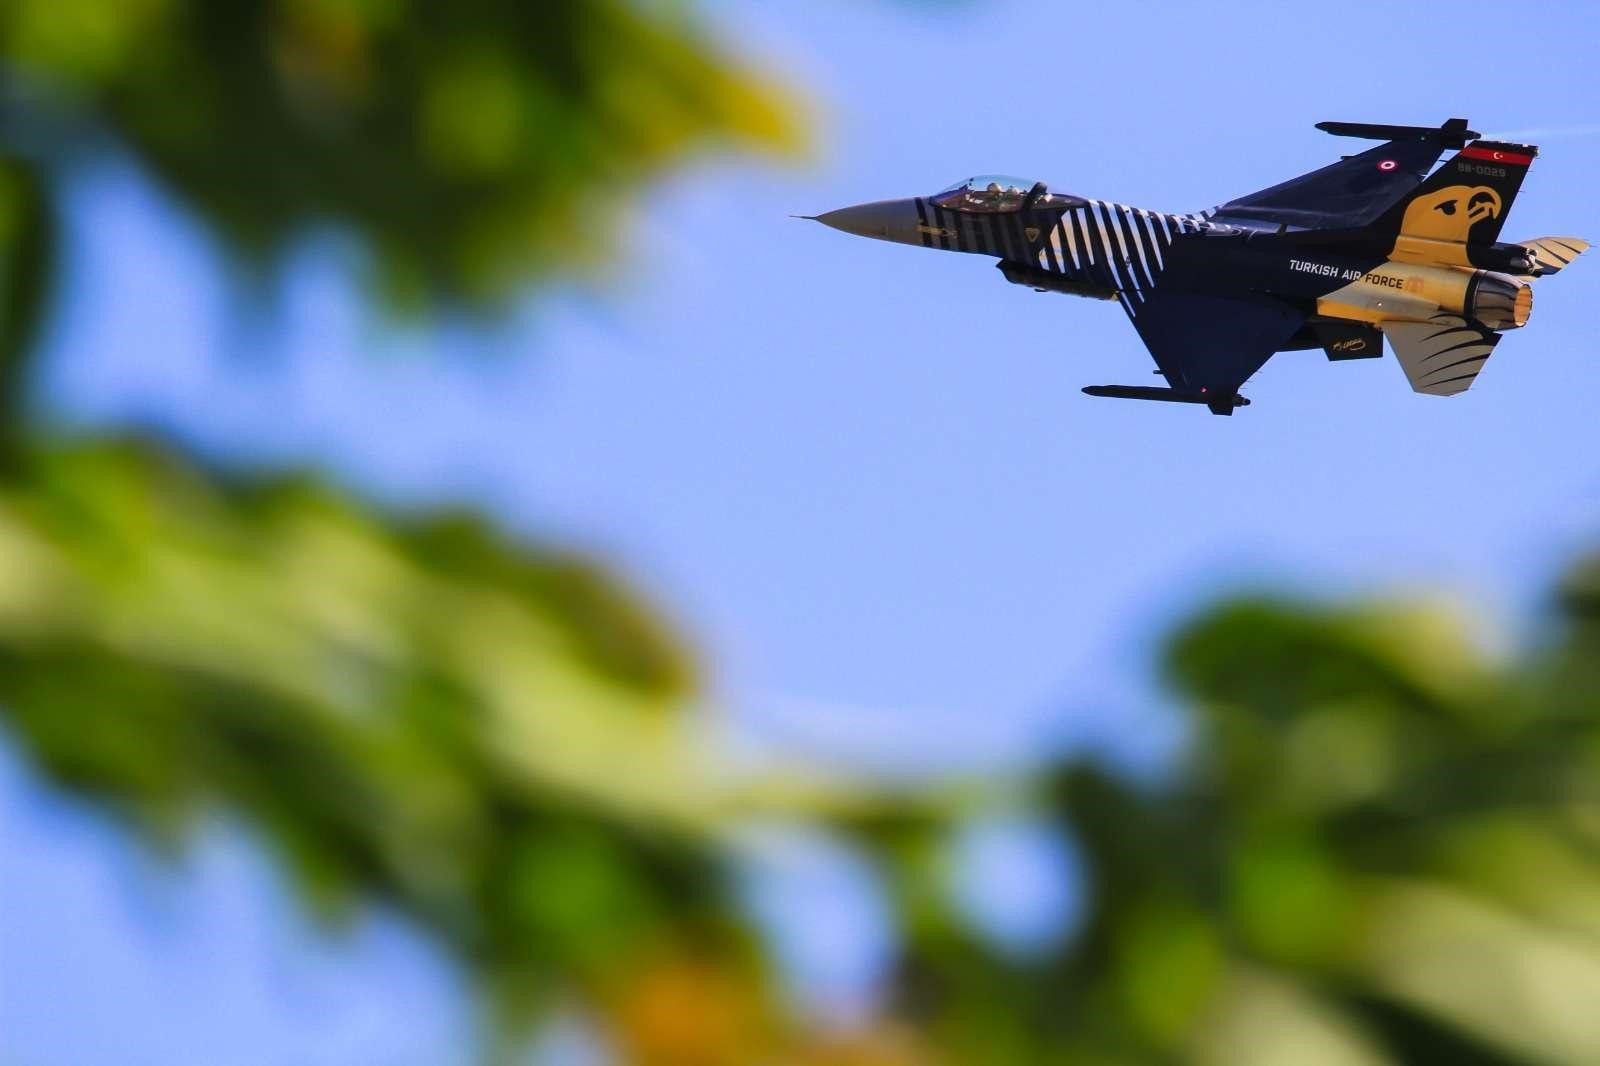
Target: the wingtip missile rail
(1451, 134)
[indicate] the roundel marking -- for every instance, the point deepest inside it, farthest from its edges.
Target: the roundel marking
(1387, 165)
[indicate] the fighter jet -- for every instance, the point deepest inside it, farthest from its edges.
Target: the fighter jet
(1369, 247)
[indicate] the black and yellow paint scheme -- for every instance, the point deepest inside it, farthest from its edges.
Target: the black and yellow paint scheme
(1376, 245)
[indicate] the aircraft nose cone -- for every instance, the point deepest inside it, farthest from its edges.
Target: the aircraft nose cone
(885, 220)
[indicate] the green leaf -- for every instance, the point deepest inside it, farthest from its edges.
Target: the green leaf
(473, 146)
(494, 739)
(27, 269)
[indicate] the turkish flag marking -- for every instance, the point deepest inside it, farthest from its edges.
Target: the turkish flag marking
(1496, 155)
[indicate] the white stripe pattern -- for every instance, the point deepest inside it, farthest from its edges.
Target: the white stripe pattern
(1095, 240)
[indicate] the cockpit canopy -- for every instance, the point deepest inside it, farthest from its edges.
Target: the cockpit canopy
(997, 193)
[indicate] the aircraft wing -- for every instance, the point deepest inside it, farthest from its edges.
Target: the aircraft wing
(1210, 345)
(1348, 194)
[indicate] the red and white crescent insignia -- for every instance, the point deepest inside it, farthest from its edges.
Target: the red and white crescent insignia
(1388, 164)
(1499, 155)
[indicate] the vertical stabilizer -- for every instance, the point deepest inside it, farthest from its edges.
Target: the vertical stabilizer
(1464, 202)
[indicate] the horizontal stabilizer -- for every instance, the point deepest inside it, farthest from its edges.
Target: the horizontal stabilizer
(1452, 134)
(1442, 356)
(1217, 404)
(1550, 254)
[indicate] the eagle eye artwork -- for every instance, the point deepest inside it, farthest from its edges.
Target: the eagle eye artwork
(1369, 247)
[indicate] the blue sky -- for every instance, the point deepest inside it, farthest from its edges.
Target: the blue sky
(860, 476)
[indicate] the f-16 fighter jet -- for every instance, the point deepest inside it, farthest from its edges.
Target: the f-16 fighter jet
(1370, 247)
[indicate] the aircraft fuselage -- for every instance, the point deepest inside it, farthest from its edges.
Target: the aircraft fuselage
(1375, 246)
(1122, 251)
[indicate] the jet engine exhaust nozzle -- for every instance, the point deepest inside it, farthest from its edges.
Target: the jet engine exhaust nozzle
(1499, 301)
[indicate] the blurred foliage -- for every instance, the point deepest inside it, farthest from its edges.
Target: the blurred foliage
(1384, 846)
(27, 268)
(491, 738)
(471, 145)
(488, 738)
(477, 735)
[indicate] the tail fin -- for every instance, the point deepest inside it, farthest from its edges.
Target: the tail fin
(1466, 200)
